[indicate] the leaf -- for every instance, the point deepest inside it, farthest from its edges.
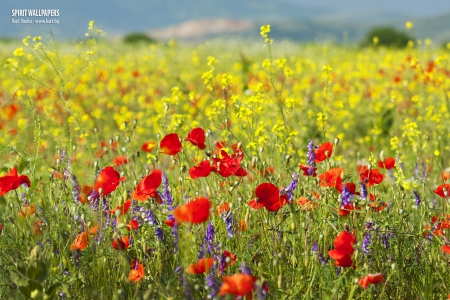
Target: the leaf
(50, 292)
(37, 270)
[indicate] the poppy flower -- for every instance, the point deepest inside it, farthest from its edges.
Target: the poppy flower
(306, 204)
(203, 170)
(443, 190)
(222, 208)
(305, 169)
(108, 180)
(371, 177)
(343, 249)
(148, 146)
(37, 229)
(230, 165)
(197, 137)
(133, 224)
(196, 211)
(85, 191)
(351, 187)
(12, 181)
(331, 178)
(371, 279)
(120, 160)
(82, 240)
(361, 169)
(122, 208)
(201, 267)
(323, 152)
(347, 209)
(121, 243)
(228, 259)
(170, 144)
(269, 196)
(27, 210)
(446, 249)
(388, 163)
(147, 187)
(238, 285)
(170, 222)
(136, 272)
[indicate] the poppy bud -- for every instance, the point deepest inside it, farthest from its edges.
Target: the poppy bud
(137, 153)
(166, 107)
(239, 145)
(135, 182)
(158, 136)
(127, 139)
(174, 161)
(117, 138)
(369, 166)
(118, 213)
(261, 149)
(183, 168)
(208, 153)
(58, 161)
(156, 158)
(124, 149)
(180, 179)
(382, 157)
(110, 141)
(336, 140)
(100, 191)
(288, 158)
(254, 161)
(95, 164)
(135, 122)
(207, 134)
(125, 124)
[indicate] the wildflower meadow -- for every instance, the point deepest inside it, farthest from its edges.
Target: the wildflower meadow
(225, 170)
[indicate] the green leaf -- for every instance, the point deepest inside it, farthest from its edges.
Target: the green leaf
(50, 292)
(37, 271)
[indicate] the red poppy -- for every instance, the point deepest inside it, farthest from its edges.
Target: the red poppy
(351, 187)
(170, 222)
(122, 208)
(27, 210)
(371, 279)
(324, 151)
(133, 224)
(269, 196)
(136, 272)
(229, 260)
(82, 240)
(201, 267)
(347, 209)
(361, 168)
(196, 211)
(255, 204)
(85, 191)
(120, 160)
(203, 170)
(441, 190)
(148, 146)
(389, 163)
(12, 181)
(147, 187)
(371, 177)
(222, 208)
(305, 169)
(446, 249)
(331, 178)
(108, 180)
(230, 165)
(37, 229)
(170, 144)
(306, 204)
(197, 137)
(343, 251)
(238, 285)
(121, 243)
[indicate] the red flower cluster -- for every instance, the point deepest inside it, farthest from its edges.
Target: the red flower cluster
(343, 251)
(371, 177)
(269, 197)
(230, 165)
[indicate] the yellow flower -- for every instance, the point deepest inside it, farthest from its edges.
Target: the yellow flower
(409, 25)
(18, 52)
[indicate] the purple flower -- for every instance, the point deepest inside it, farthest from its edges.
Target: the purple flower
(244, 269)
(417, 198)
(166, 196)
(175, 237)
(366, 243)
(292, 186)
(363, 189)
(311, 158)
(229, 221)
(212, 283)
(75, 190)
(347, 197)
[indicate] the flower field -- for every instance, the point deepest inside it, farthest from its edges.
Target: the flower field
(226, 170)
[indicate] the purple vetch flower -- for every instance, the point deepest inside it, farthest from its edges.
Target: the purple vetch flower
(168, 199)
(211, 247)
(106, 213)
(94, 199)
(385, 239)
(311, 157)
(159, 233)
(177, 270)
(338, 271)
(261, 291)
(229, 221)
(211, 282)
(245, 269)
(363, 188)
(417, 198)
(75, 189)
(315, 247)
(416, 171)
(292, 186)
(66, 273)
(366, 243)
(347, 197)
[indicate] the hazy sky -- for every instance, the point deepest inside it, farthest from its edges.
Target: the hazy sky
(416, 7)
